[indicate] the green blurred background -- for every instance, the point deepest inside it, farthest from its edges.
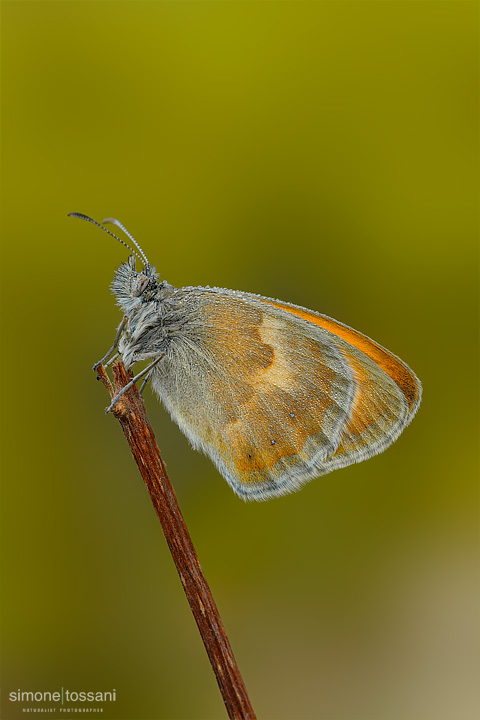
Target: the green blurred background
(321, 152)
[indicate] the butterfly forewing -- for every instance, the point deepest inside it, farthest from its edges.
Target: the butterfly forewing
(274, 399)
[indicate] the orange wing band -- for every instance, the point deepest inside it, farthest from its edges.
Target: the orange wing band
(392, 365)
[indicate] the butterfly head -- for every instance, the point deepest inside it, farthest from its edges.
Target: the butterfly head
(133, 289)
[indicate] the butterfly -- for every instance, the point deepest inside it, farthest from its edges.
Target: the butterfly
(275, 394)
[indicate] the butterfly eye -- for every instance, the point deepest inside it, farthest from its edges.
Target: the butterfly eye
(140, 285)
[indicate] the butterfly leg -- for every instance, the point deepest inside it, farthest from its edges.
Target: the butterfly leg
(121, 328)
(142, 386)
(112, 360)
(142, 373)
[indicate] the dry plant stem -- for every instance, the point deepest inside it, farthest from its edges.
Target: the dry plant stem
(131, 414)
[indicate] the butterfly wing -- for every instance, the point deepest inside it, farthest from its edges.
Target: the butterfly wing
(403, 376)
(368, 430)
(273, 394)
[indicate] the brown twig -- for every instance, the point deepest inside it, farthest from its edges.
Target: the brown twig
(130, 412)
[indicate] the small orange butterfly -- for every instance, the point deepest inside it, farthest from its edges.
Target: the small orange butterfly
(273, 393)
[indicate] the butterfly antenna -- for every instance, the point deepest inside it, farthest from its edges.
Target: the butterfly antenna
(114, 221)
(81, 216)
